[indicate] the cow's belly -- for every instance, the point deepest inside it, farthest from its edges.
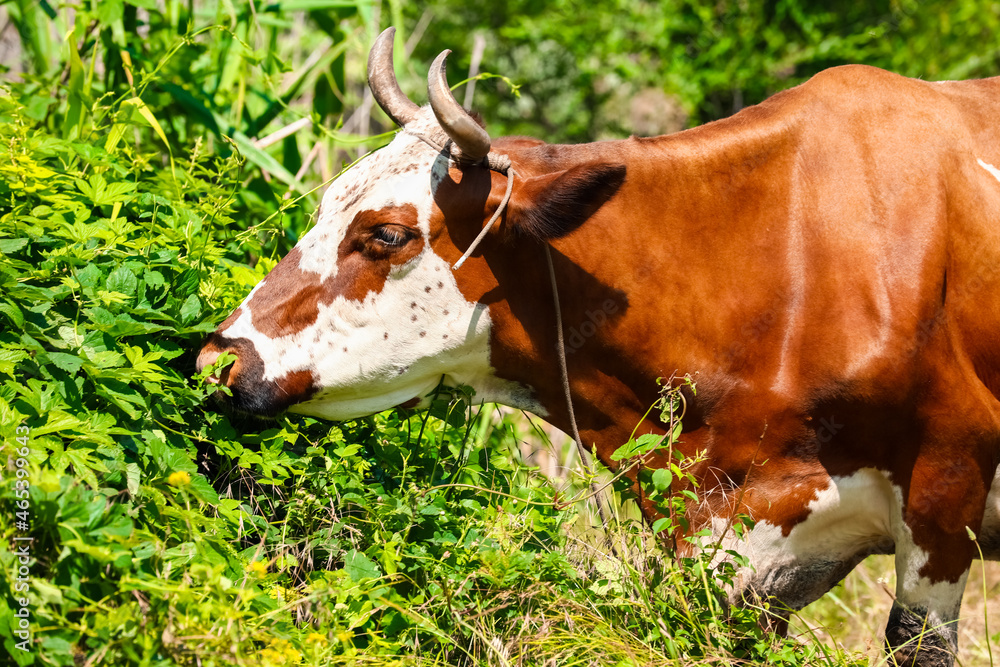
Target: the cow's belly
(852, 518)
(989, 536)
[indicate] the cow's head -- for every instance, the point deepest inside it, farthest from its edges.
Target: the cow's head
(365, 313)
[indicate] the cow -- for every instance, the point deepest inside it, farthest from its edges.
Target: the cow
(825, 264)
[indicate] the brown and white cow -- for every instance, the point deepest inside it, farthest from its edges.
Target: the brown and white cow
(827, 264)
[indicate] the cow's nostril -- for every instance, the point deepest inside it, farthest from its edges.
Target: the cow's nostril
(209, 355)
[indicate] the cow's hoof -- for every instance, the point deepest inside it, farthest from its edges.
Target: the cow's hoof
(912, 642)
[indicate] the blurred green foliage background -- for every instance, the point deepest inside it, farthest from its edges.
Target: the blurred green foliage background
(592, 70)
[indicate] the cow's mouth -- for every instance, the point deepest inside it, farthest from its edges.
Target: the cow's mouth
(249, 393)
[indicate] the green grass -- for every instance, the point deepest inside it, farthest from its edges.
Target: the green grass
(854, 614)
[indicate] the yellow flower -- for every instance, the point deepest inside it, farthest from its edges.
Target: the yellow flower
(345, 636)
(278, 593)
(259, 568)
(283, 652)
(316, 638)
(269, 655)
(179, 478)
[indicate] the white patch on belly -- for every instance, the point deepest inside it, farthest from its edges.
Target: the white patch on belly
(990, 168)
(854, 516)
(851, 516)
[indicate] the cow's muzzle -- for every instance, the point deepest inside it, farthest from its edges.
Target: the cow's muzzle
(249, 391)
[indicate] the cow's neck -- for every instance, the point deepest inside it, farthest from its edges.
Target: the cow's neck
(636, 257)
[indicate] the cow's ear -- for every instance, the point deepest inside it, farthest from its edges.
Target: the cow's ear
(553, 205)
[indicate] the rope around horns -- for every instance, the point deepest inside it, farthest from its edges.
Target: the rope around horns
(494, 162)
(501, 164)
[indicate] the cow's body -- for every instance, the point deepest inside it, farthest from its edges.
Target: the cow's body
(825, 264)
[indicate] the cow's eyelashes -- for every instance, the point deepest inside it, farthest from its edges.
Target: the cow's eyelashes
(392, 235)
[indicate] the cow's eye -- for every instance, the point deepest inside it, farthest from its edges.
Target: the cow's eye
(391, 235)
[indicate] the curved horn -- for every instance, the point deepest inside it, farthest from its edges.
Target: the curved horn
(382, 81)
(455, 121)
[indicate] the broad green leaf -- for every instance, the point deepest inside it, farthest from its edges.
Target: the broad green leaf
(13, 313)
(89, 276)
(10, 246)
(9, 359)
(662, 479)
(263, 160)
(122, 280)
(190, 309)
(70, 363)
(202, 490)
(57, 421)
(153, 278)
(106, 359)
(70, 335)
(360, 567)
(109, 11)
(638, 447)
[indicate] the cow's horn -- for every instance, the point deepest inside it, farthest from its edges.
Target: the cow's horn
(382, 81)
(455, 121)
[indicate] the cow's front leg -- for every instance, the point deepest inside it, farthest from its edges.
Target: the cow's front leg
(933, 557)
(923, 624)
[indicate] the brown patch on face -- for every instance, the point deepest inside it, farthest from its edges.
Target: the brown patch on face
(297, 386)
(290, 299)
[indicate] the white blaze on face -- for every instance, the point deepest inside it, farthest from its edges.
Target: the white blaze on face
(370, 353)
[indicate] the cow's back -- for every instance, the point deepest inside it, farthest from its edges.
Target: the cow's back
(860, 211)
